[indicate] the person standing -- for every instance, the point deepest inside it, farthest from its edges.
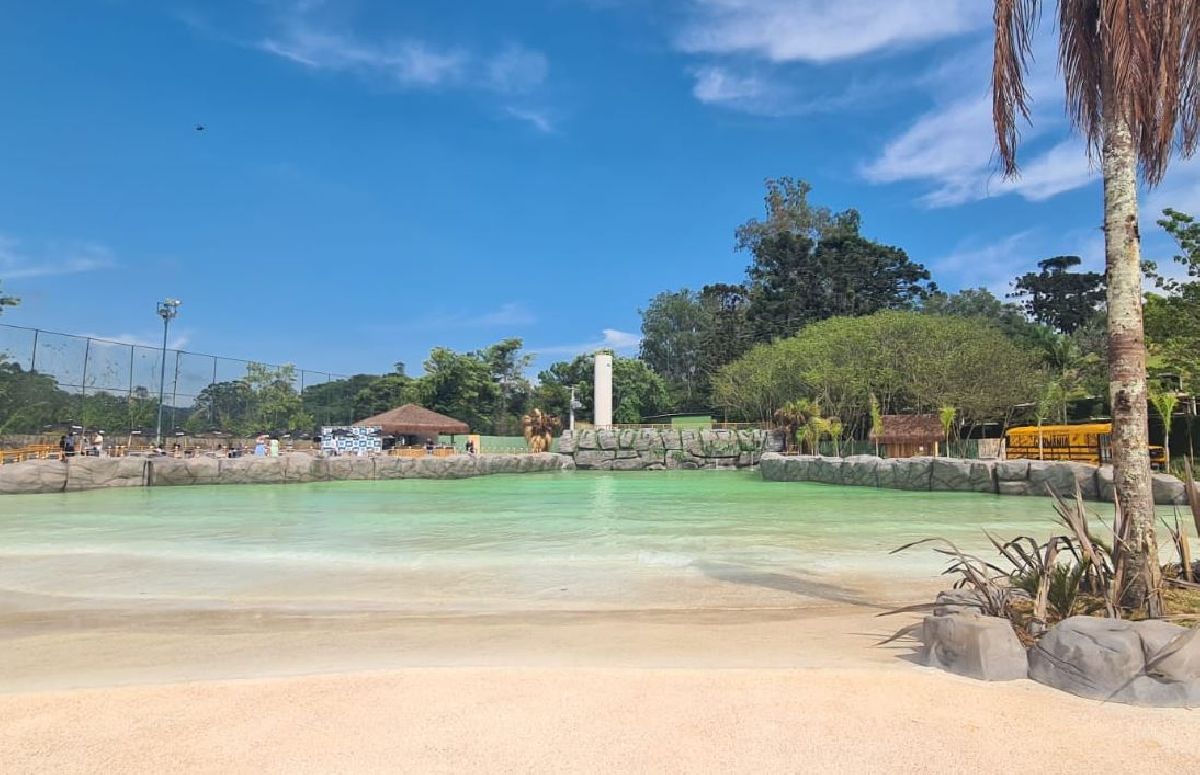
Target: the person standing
(274, 447)
(98, 444)
(69, 444)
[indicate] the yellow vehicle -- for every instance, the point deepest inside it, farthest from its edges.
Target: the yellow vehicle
(1082, 443)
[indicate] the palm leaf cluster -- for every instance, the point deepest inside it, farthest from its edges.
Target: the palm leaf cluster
(1137, 61)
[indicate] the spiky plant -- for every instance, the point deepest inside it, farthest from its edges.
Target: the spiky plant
(1164, 402)
(1132, 74)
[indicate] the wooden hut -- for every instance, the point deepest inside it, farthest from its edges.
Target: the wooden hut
(411, 425)
(909, 435)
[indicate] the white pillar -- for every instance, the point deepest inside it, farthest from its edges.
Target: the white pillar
(603, 394)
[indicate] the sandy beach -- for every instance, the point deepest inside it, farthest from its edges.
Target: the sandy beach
(799, 690)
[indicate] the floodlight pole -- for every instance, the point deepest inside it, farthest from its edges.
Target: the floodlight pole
(167, 310)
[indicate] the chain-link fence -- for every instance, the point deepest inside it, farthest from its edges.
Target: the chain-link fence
(51, 380)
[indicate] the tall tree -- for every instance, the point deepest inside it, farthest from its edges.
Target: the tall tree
(638, 392)
(788, 211)
(1173, 317)
(1058, 297)
(1132, 73)
(675, 326)
(794, 281)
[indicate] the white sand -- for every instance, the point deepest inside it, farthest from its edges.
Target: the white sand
(803, 690)
(592, 720)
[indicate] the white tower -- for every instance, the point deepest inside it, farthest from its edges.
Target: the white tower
(603, 394)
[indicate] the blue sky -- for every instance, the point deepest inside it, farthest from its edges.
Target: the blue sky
(376, 178)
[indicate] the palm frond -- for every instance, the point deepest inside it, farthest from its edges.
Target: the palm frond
(1016, 21)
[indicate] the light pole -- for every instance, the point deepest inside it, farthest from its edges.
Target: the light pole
(167, 310)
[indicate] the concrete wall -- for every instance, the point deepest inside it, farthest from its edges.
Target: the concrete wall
(924, 474)
(649, 449)
(86, 473)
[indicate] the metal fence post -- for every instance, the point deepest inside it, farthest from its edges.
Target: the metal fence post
(87, 349)
(33, 355)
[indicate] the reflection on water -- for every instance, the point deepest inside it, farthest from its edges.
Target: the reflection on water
(570, 541)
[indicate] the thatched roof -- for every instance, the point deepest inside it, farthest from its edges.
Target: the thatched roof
(413, 420)
(909, 429)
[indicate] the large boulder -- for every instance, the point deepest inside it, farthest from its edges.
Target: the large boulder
(950, 475)
(860, 470)
(566, 442)
(826, 470)
(33, 477)
(1169, 491)
(90, 473)
(913, 473)
(1142, 663)
(1012, 470)
(1063, 478)
(772, 467)
(606, 438)
(963, 642)
(594, 458)
(167, 471)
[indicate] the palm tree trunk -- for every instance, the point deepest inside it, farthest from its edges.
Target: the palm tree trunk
(1127, 359)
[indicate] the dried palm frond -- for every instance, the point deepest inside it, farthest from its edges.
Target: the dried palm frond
(1137, 61)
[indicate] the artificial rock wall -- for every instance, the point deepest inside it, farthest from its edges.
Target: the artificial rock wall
(1001, 477)
(651, 449)
(90, 473)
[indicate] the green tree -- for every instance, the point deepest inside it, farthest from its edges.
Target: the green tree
(794, 281)
(638, 392)
(7, 301)
(335, 402)
(29, 400)
(1164, 402)
(507, 365)
(1131, 85)
(983, 304)
(276, 402)
(459, 385)
(788, 211)
(910, 363)
(385, 392)
(226, 406)
(1057, 297)
(675, 327)
(1173, 317)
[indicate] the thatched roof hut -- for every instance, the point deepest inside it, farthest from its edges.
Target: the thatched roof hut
(413, 420)
(909, 435)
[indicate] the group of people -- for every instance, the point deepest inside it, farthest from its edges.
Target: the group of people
(72, 444)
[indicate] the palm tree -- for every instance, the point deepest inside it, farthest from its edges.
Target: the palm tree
(1132, 73)
(1165, 402)
(946, 416)
(795, 417)
(539, 429)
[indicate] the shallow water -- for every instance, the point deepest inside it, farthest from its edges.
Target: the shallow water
(540, 542)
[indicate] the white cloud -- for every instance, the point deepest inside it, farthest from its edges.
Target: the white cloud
(517, 70)
(1180, 190)
(993, 264)
(716, 84)
(823, 30)
(53, 259)
(406, 62)
(611, 338)
(952, 147)
(538, 119)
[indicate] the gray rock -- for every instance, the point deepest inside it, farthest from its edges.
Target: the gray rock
(606, 439)
(885, 474)
(983, 647)
(826, 470)
(1104, 483)
(566, 442)
(914, 473)
(950, 475)
(165, 472)
(1169, 491)
(672, 439)
(628, 464)
(1142, 663)
(1012, 488)
(90, 473)
(593, 458)
(772, 467)
(33, 476)
(983, 476)
(627, 438)
(860, 471)
(1062, 478)
(1012, 470)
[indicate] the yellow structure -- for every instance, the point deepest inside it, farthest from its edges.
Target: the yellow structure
(1083, 443)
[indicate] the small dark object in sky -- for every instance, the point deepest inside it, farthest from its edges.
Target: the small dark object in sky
(199, 127)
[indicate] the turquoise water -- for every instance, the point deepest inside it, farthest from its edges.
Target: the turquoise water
(566, 541)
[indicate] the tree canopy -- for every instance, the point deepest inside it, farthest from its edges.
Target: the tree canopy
(1058, 297)
(910, 362)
